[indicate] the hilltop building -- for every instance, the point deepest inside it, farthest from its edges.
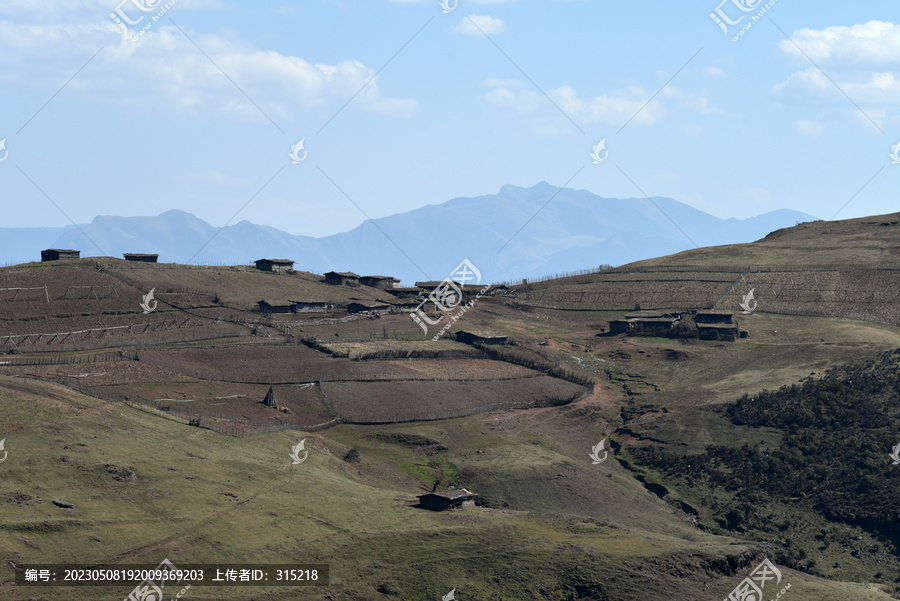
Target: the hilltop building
(59, 254)
(276, 265)
(432, 284)
(404, 291)
(341, 278)
(141, 257)
(384, 282)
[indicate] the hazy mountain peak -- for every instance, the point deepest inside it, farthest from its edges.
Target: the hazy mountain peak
(577, 230)
(538, 190)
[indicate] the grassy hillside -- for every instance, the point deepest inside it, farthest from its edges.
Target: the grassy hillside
(243, 286)
(825, 487)
(720, 453)
(863, 240)
(196, 496)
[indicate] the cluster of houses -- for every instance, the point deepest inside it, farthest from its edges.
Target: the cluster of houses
(387, 283)
(333, 278)
(703, 324)
(62, 254)
(409, 297)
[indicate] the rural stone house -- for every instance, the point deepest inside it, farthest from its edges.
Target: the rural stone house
(384, 282)
(371, 308)
(274, 265)
(141, 257)
(58, 254)
(274, 307)
(290, 306)
(404, 291)
(432, 284)
(646, 323)
(451, 499)
(716, 325)
(706, 325)
(341, 278)
(310, 307)
(479, 337)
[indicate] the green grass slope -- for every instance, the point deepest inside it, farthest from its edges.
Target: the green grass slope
(145, 488)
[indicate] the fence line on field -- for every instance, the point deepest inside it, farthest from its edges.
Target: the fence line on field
(556, 276)
(17, 290)
(213, 376)
(67, 359)
(866, 294)
(126, 335)
(579, 275)
(760, 268)
(246, 427)
(228, 425)
(408, 416)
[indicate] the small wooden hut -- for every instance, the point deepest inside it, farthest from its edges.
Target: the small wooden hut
(451, 499)
(59, 254)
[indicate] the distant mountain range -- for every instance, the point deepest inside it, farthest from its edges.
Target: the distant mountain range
(564, 230)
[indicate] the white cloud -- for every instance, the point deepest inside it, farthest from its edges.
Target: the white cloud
(809, 128)
(477, 25)
(523, 102)
(867, 88)
(84, 11)
(858, 61)
(714, 72)
(165, 68)
(872, 43)
(614, 108)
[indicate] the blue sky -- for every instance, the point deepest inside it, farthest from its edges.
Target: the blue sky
(201, 112)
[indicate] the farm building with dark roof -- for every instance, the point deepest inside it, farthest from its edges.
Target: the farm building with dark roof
(703, 324)
(341, 278)
(480, 337)
(384, 282)
(58, 254)
(403, 291)
(291, 306)
(311, 306)
(451, 499)
(141, 257)
(274, 264)
(716, 325)
(275, 307)
(368, 308)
